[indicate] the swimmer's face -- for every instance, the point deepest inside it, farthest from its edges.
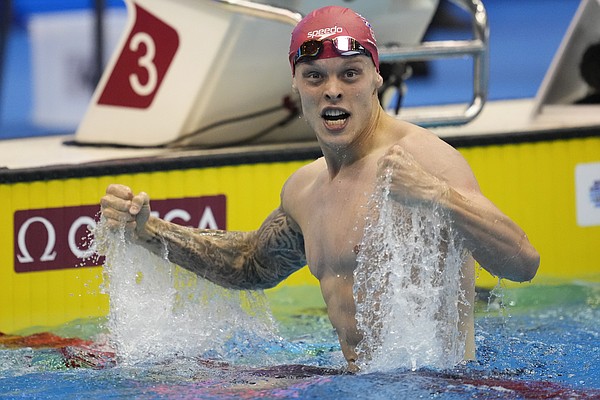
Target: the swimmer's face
(339, 96)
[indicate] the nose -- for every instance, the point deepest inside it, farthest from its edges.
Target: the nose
(333, 89)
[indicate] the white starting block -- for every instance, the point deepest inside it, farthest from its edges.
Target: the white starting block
(563, 85)
(213, 73)
(173, 74)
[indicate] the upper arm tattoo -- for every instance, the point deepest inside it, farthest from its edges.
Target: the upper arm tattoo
(280, 248)
(238, 260)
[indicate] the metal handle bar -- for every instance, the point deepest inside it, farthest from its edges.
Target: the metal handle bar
(476, 48)
(262, 11)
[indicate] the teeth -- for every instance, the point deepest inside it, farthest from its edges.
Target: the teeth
(333, 113)
(335, 122)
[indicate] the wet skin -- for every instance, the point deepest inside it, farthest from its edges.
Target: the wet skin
(323, 205)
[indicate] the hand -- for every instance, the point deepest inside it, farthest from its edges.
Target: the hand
(121, 208)
(410, 183)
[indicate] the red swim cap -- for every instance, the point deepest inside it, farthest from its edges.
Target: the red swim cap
(330, 22)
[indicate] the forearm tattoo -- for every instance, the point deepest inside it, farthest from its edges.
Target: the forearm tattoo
(237, 260)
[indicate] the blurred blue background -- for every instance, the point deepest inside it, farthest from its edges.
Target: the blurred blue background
(524, 36)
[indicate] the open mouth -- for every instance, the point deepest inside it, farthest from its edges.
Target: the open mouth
(335, 117)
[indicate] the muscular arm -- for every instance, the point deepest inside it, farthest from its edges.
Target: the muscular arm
(238, 260)
(497, 243)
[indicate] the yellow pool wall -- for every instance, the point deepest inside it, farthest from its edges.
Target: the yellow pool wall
(533, 183)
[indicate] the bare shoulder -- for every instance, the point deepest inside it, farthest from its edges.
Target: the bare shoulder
(302, 179)
(439, 158)
(416, 138)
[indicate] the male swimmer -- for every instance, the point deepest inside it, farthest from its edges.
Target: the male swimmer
(335, 70)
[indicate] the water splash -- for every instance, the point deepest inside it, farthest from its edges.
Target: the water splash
(407, 287)
(159, 311)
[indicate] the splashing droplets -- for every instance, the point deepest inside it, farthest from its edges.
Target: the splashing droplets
(159, 311)
(407, 287)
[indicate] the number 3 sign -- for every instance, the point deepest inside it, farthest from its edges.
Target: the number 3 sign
(185, 64)
(143, 63)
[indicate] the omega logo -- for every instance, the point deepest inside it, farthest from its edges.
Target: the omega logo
(58, 238)
(49, 253)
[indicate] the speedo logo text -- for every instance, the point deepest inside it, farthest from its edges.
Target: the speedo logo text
(324, 32)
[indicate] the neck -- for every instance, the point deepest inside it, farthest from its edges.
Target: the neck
(339, 157)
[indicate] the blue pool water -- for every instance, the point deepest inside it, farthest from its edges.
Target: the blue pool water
(534, 342)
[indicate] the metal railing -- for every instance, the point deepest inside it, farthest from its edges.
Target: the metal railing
(477, 48)
(262, 11)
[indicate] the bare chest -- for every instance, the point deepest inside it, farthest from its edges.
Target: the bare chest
(333, 221)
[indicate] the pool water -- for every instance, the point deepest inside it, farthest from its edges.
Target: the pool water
(533, 341)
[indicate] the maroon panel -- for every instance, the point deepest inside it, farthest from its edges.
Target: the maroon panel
(57, 238)
(142, 64)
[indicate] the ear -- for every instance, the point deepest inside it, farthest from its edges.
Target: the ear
(294, 87)
(378, 83)
(379, 80)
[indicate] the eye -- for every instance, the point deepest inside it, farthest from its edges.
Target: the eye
(312, 75)
(351, 74)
